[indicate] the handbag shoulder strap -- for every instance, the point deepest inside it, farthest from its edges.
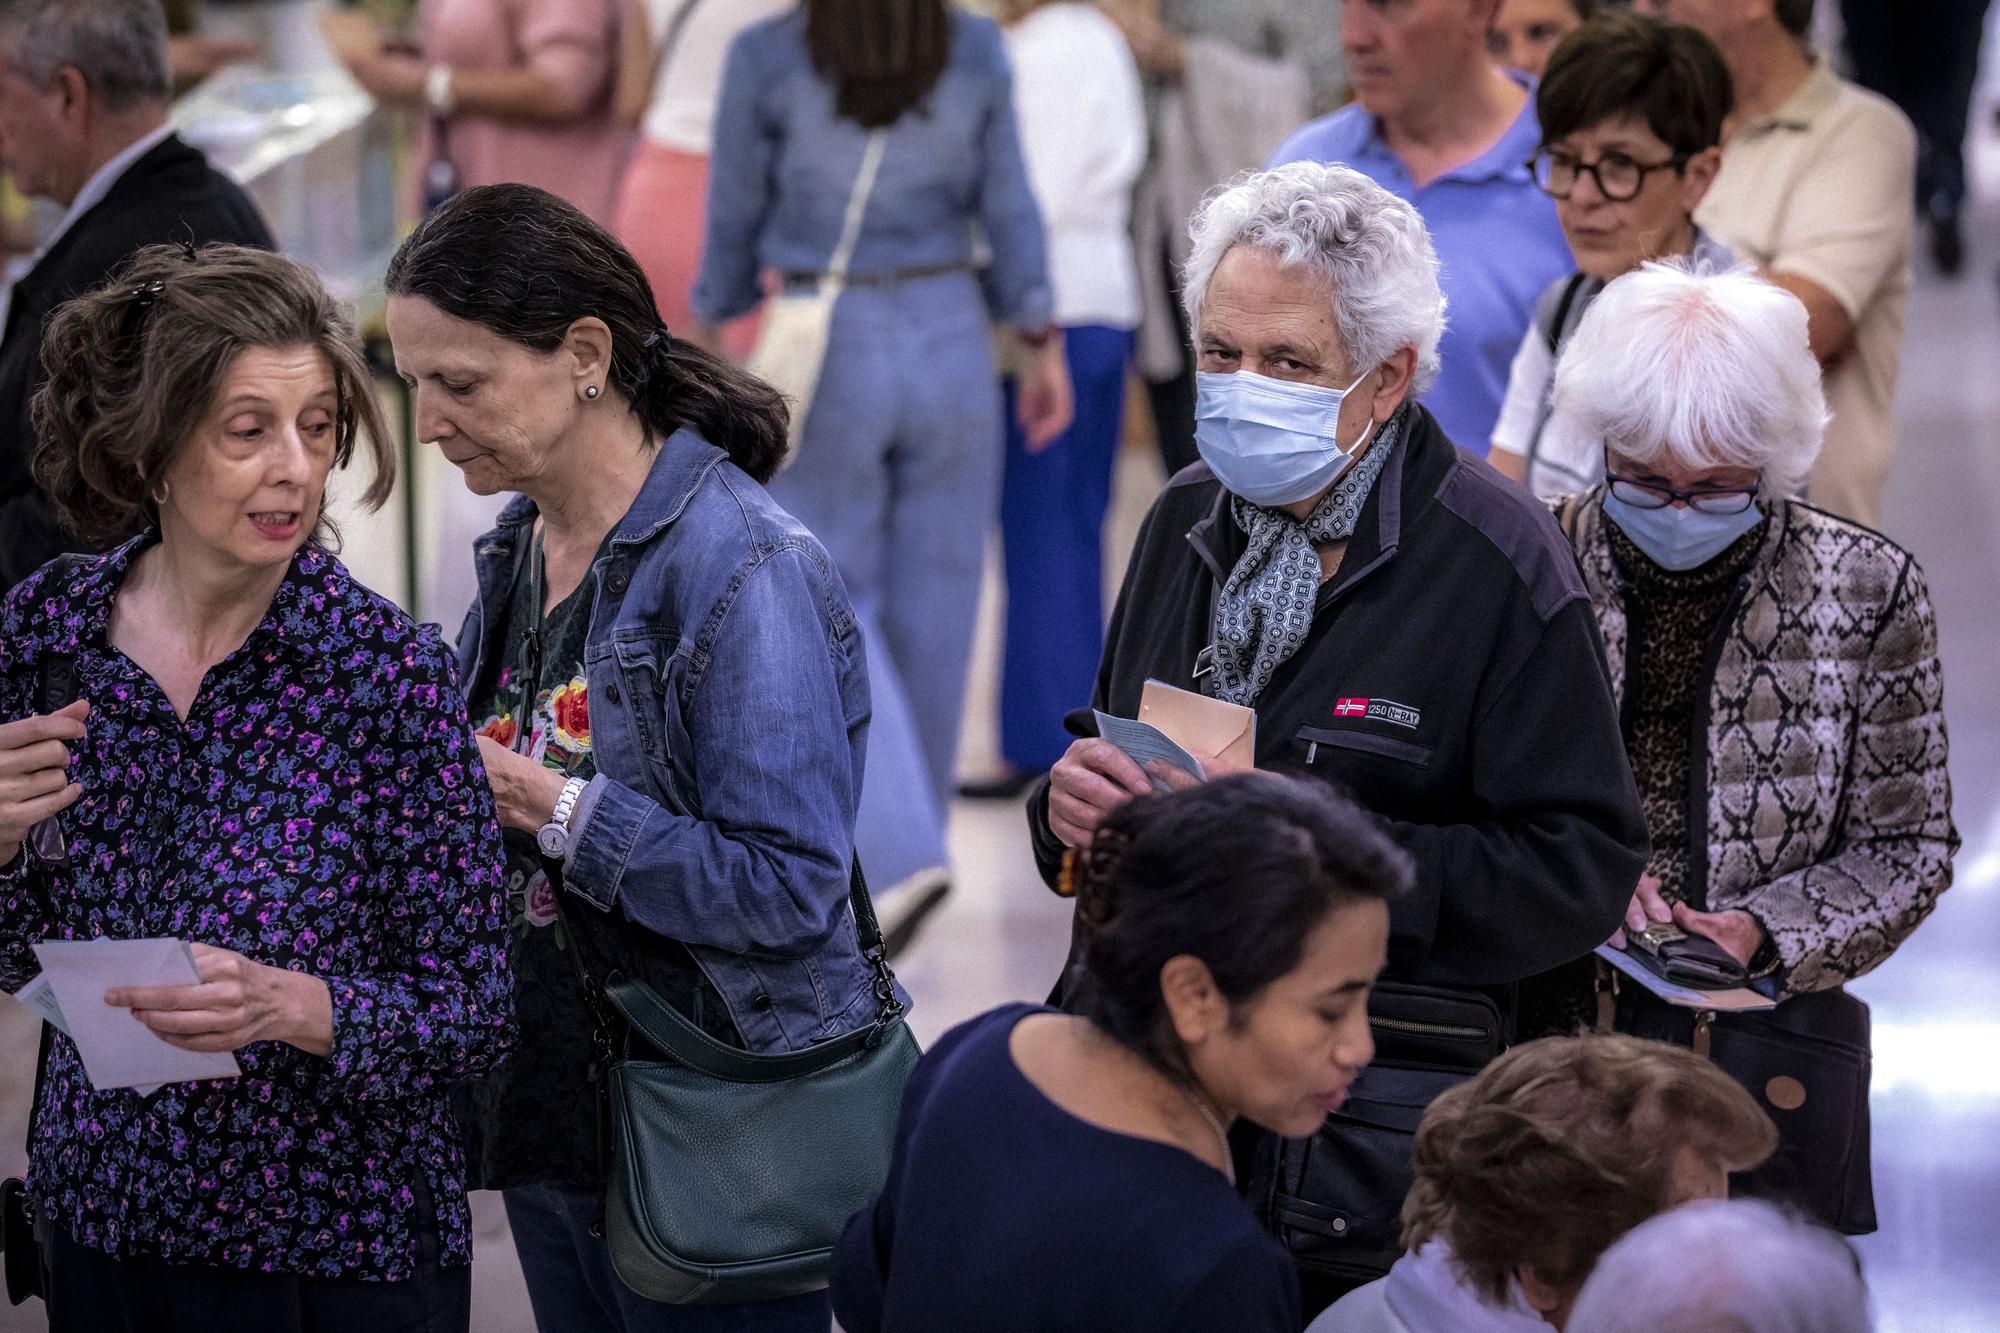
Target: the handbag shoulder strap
(670, 38)
(55, 689)
(662, 1025)
(857, 203)
(1555, 333)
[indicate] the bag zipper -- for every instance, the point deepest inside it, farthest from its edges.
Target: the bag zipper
(1427, 1029)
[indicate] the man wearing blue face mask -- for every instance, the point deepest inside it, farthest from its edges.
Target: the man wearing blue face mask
(1407, 624)
(1778, 674)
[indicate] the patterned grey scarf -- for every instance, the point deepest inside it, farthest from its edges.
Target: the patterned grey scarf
(1266, 607)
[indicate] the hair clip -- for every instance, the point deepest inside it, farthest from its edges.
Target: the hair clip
(142, 297)
(661, 336)
(188, 252)
(1069, 880)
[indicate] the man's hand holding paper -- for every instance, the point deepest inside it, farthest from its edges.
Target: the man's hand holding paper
(1095, 776)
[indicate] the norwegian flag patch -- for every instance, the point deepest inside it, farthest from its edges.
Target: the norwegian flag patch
(1379, 710)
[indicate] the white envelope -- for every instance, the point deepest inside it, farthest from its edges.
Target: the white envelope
(118, 1050)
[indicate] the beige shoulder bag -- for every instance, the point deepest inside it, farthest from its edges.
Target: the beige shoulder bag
(791, 348)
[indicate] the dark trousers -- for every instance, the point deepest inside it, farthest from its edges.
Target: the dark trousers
(91, 1292)
(574, 1290)
(1172, 400)
(1923, 55)
(1052, 507)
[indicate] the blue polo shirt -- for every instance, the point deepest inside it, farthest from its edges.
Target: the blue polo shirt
(1498, 243)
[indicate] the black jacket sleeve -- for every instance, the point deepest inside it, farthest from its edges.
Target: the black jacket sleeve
(1544, 875)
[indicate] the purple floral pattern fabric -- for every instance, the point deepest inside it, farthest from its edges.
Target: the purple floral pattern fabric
(322, 808)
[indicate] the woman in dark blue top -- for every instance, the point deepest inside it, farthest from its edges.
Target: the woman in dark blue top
(1072, 1171)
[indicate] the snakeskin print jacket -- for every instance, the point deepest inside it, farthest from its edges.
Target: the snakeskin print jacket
(1821, 804)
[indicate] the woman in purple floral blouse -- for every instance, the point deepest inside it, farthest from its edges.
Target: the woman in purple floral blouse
(271, 762)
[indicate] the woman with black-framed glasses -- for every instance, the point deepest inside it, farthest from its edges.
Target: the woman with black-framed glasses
(1631, 110)
(1779, 692)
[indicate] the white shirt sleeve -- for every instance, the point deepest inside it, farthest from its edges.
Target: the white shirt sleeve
(1528, 385)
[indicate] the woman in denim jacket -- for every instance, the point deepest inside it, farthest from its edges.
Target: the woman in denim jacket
(670, 693)
(898, 469)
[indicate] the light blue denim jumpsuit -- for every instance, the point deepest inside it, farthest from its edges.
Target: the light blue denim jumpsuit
(898, 471)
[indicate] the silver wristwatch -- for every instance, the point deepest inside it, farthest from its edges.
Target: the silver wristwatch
(553, 838)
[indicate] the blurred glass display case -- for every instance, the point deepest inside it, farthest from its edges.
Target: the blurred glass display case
(318, 158)
(322, 163)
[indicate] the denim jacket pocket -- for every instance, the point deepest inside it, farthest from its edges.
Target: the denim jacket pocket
(644, 687)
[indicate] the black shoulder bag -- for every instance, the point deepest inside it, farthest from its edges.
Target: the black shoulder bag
(1335, 1199)
(731, 1173)
(21, 1253)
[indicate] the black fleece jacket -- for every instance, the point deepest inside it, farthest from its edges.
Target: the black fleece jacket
(1453, 683)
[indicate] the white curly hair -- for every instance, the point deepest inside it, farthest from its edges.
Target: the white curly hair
(1369, 247)
(1700, 368)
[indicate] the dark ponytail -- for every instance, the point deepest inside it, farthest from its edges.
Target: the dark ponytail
(1235, 872)
(882, 57)
(525, 266)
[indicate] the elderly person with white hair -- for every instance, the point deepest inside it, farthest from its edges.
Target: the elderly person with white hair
(1725, 1267)
(1778, 677)
(1406, 624)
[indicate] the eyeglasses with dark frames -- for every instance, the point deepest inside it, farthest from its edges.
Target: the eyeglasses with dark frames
(1619, 178)
(1718, 500)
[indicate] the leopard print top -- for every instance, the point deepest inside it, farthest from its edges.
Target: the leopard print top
(1678, 610)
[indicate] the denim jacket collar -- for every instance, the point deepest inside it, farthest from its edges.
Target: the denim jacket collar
(684, 461)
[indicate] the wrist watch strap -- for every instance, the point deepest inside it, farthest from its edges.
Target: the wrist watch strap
(437, 90)
(566, 803)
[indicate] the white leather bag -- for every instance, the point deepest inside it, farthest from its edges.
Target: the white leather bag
(791, 347)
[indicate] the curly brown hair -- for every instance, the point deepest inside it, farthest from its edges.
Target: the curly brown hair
(1562, 1145)
(133, 366)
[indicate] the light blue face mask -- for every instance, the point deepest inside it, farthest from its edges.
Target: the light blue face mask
(1271, 441)
(1678, 537)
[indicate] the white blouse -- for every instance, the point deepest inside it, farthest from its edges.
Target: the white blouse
(682, 112)
(1083, 132)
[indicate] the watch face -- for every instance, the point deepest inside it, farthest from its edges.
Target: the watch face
(553, 838)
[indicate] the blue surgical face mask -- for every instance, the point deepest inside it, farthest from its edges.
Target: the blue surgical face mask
(1271, 441)
(1678, 537)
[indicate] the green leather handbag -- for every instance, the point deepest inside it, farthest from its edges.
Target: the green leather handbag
(733, 1173)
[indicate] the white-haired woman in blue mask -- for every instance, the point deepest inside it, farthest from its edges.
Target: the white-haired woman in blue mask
(1406, 624)
(1779, 679)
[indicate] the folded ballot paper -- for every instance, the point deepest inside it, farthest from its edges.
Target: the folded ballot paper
(118, 1050)
(1143, 742)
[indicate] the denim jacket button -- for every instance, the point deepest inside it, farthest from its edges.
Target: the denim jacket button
(618, 581)
(611, 692)
(760, 1001)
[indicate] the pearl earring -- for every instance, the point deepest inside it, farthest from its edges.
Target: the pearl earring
(590, 391)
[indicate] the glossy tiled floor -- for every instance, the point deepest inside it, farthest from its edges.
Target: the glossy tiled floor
(1935, 1265)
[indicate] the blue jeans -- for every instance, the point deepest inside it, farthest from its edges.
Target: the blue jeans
(1052, 507)
(573, 1290)
(898, 475)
